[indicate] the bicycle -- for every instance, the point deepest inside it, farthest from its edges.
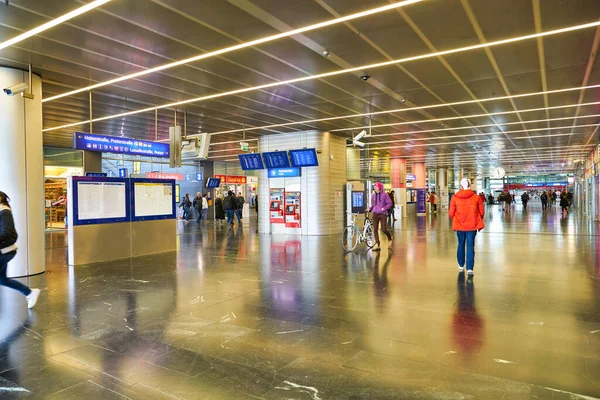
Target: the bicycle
(352, 235)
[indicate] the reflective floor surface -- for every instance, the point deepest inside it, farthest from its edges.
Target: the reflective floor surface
(239, 315)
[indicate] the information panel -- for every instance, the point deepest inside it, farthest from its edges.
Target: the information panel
(304, 158)
(100, 200)
(153, 199)
(113, 144)
(358, 202)
(284, 172)
(251, 161)
(276, 159)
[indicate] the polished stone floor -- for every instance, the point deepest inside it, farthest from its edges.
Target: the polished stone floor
(238, 315)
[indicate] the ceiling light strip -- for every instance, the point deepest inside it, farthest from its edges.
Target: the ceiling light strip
(488, 133)
(399, 110)
(423, 121)
(53, 23)
(343, 71)
(480, 126)
(238, 47)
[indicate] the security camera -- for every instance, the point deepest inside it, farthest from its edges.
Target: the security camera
(365, 77)
(360, 135)
(16, 89)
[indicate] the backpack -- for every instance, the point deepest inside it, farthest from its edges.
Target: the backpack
(227, 203)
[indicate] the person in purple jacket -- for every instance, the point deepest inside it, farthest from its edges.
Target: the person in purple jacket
(380, 204)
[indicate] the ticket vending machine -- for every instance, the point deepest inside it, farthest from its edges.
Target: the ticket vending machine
(276, 206)
(292, 210)
(356, 198)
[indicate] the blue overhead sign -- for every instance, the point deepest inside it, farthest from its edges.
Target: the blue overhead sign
(251, 161)
(113, 144)
(199, 176)
(284, 172)
(276, 159)
(97, 174)
(122, 172)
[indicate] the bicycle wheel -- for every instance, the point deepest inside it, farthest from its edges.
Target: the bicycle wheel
(369, 237)
(350, 238)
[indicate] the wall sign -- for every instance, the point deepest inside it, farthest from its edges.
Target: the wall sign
(421, 201)
(164, 175)
(97, 174)
(234, 179)
(122, 172)
(113, 144)
(199, 177)
(284, 172)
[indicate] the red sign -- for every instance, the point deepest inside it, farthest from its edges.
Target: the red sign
(235, 179)
(164, 175)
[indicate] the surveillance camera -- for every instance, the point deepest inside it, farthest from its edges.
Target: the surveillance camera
(16, 89)
(365, 77)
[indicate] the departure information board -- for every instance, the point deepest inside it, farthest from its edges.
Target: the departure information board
(304, 158)
(251, 161)
(276, 159)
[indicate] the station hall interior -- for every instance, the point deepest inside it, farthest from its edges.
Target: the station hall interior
(200, 192)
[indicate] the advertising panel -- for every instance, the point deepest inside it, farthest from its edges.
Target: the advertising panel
(421, 201)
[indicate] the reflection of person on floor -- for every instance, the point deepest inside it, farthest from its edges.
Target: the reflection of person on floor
(380, 282)
(467, 324)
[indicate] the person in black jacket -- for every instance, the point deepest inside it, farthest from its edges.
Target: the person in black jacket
(230, 206)
(8, 251)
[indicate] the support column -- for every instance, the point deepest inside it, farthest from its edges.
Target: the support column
(22, 170)
(398, 167)
(442, 181)
(420, 175)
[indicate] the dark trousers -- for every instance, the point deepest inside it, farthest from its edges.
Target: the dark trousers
(377, 219)
(525, 204)
(434, 207)
(198, 215)
(238, 214)
(11, 283)
(230, 216)
(466, 239)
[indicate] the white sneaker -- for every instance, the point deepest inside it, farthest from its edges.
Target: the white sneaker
(33, 298)
(461, 269)
(470, 272)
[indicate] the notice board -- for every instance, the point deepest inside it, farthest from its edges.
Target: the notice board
(100, 200)
(153, 199)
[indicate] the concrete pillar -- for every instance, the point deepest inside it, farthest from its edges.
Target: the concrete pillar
(398, 178)
(419, 172)
(22, 170)
(450, 182)
(442, 179)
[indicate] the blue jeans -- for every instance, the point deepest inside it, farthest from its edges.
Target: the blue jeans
(205, 214)
(466, 238)
(198, 215)
(186, 213)
(230, 216)
(11, 283)
(238, 213)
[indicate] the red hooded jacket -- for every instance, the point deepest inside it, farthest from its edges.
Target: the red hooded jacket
(466, 211)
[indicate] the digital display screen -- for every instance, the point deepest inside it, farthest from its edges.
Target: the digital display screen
(213, 183)
(251, 161)
(120, 145)
(276, 159)
(358, 202)
(304, 158)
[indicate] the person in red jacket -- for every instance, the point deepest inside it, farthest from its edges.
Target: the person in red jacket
(466, 211)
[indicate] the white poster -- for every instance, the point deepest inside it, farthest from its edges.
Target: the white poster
(153, 199)
(101, 200)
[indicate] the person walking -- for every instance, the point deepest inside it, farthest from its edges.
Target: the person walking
(8, 251)
(544, 199)
(204, 209)
(219, 210)
(433, 200)
(256, 205)
(564, 203)
(197, 203)
(186, 204)
(230, 206)
(525, 200)
(240, 206)
(380, 204)
(466, 211)
(391, 213)
(570, 199)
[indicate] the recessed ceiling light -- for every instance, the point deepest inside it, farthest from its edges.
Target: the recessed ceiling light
(325, 53)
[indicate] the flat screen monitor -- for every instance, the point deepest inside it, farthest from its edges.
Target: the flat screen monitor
(213, 183)
(358, 202)
(304, 158)
(276, 159)
(251, 161)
